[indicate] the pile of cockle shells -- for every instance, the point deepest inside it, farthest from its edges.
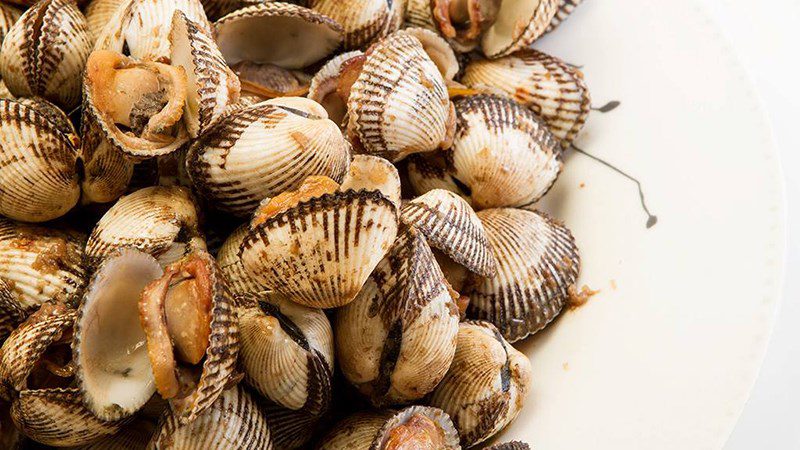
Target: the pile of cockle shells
(263, 225)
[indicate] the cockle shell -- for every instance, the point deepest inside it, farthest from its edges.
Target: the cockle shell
(552, 89)
(399, 104)
(450, 225)
(8, 16)
(107, 172)
(286, 351)
(38, 162)
(513, 445)
(218, 8)
(291, 429)
(501, 155)
(158, 220)
(282, 34)
(364, 22)
(486, 385)
(396, 340)
(4, 92)
(371, 430)
(564, 10)
(132, 436)
(320, 252)
(11, 313)
(538, 265)
(265, 81)
(438, 50)
(211, 85)
(99, 14)
(232, 168)
(323, 86)
(230, 263)
(373, 173)
(39, 264)
(506, 35)
(233, 421)
(420, 14)
(44, 53)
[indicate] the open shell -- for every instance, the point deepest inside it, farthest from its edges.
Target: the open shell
(564, 10)
(39, 264)
(451, 225)
(158, 220)
(538, 265)
(438, 50)
(232, 168)
(506, 36)
(373, 173)
(45, 51)
(372, 430)
(286, 352)
(323, 86)
(399, 104)
(211, 85)
(553, 90)
(320, 252)
(501, 153)
(396, 340)
(364, 22)
(288, 36)
(486, 386)
(233, 421)
(37, 164)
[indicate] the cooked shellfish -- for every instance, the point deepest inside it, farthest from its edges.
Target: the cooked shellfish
(486, 385)
(326, 88)
(438, 50)
(286, 351)
(45, 52)
(363, 22)
(538, 264)
(373, 173)
(564, 10)
(99, 13)
(8, 16)
(230, 263)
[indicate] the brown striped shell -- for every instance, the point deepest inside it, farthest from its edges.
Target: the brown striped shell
(38, 163)
(450, 225)
(8, 16)
(323, 88)
(291, 429)
(233, 421)
(232, 168)
(11, 313)
(320, 252)
(372, 430)
(538, 265)
(39, 264)
(44, 53)
(396, 340)
(230, 263)
(513, 445)
(288, 36)
(419, 14)
(399, 104)
(363, 21)
(552, 89)
(502, 155)
(212, 86)
(286, 352)
(158, 220)
(373, 173)
(107, 172)
(265, 81)
(132, 436)
(486, 386)
(564, 10)
(99, 13)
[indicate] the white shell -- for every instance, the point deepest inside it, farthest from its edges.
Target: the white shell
(364, 21)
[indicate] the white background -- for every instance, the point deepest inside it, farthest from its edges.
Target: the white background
(766, 34)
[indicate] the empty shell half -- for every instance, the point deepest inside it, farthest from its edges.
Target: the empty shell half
(318, 245)
(232, 168)
(486, 385)
(44, 53)
(286, 351)
(158, 220)
(233, 421)
(415, 427)
(399, 103)
(538, 265)
(38, 163)
(363, 21)
(451, 226)
(552, 89)
(396, 340)
(502, 155)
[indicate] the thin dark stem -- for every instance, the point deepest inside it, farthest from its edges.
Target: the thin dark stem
(608, 107)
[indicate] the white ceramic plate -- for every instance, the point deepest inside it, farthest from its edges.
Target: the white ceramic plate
(665, 356)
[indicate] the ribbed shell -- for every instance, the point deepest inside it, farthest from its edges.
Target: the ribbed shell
(37, 165)
(11, 313)
(45, 52)
(233, 421)
(395, 341)
(287, 352)
(502, 153)
(420, 14)
(323, 86)
(154, 220)
(429, 171)
(39, 264)
(212, 85)
(566, 8)
(231, 166)
(289, 429)
(553, 90)
(399, 105)
(8, 16)
(99, 14)
(218, 8)
(321, 252)
(506, 35)
(107, 172)
(513, 445)
(277, 33)
(133, 436)
(373, 173)
(57, 417)
(438, 50)
(230, 263)
(364, 21)
(486, 385)
(451, 225)
(538, 263)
